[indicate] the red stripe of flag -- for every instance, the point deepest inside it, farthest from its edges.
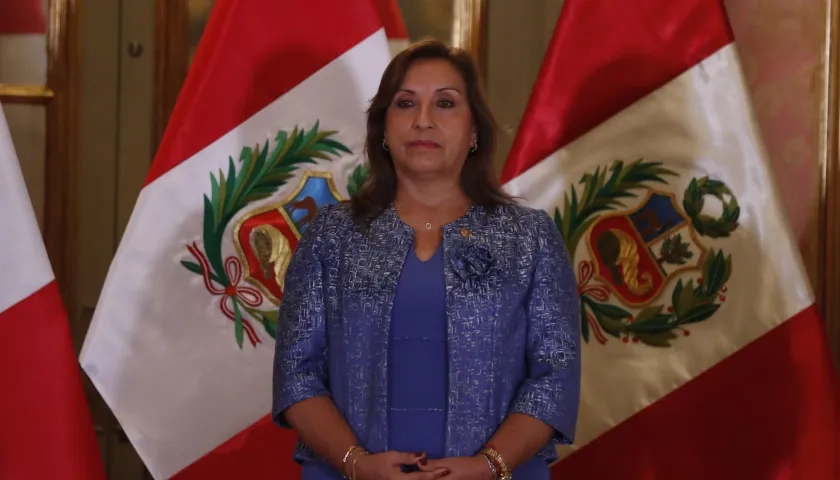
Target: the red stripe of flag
(263, 450)
(45, 425)
(250, 54)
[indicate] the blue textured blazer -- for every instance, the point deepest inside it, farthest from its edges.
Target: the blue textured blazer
(513, 324)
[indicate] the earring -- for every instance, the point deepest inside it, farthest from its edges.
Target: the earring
(474, 147)
(384, 144)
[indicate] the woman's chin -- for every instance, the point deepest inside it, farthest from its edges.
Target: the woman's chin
(426, 165)
(430, 171)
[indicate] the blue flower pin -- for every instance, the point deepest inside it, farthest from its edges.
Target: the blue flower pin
(471, 261)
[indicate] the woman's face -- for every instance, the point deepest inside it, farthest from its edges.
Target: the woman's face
(428, 126)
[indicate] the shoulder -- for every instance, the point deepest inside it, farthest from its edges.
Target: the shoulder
(533, 232)
(334, 216)
(331, 223)
(520, 220)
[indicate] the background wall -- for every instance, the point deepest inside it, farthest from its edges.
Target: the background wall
(518, 34)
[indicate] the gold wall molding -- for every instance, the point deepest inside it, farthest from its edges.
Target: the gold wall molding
(171, 60)
(469, 30)
(828, 259)
(60, 206)
(26, 94)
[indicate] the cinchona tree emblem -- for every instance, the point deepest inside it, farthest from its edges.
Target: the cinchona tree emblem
(644, 274)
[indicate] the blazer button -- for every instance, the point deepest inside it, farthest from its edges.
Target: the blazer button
(465, 232)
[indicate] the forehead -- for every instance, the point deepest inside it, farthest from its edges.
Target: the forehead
(432, 73)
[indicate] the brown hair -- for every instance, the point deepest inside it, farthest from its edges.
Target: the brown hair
(478, 178)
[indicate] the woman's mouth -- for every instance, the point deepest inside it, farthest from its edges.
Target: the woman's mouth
(423, 144)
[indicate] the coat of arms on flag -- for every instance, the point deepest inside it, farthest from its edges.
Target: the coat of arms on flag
(266, 236)
(637, 238)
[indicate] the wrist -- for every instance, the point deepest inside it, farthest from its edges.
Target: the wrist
(487, 465)
(500, 469)
(348, 461)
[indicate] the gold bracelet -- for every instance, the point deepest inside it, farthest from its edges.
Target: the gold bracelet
(504, 472)
(347, 454)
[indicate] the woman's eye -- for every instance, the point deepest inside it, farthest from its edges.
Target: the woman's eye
(404, 103)
(446, 103)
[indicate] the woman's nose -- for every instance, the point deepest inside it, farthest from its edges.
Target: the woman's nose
(423, 120)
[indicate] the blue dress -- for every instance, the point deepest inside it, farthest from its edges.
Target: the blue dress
(417, 387)
(417, 370)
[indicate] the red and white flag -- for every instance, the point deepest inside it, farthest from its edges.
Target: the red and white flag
(46, 429)
(269, 126)
(392, 20)
(704, 356)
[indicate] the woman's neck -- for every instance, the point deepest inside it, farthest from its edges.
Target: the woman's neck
(436, 202)
(431, 195)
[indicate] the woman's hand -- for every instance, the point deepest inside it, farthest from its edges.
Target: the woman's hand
(387, 466)
(461, 468)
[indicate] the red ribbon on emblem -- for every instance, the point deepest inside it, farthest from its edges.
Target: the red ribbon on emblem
(233, 292)
(597, 292)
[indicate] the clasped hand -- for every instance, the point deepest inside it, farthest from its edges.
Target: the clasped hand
(388, 466)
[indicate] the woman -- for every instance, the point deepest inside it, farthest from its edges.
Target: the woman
(431, 324)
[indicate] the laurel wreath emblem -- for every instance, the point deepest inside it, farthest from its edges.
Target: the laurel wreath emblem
(261, 172)
(690, 302)
(693, 202)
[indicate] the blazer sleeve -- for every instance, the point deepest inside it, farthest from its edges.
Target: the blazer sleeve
(300, 356)
(551, 391)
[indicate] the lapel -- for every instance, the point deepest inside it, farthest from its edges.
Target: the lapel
(378, 262)
(473, 280)
(471, 269)
(390, 241)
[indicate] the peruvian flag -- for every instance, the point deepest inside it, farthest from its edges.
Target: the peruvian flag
(392, 20)
(46, 429)
(269, 126)
(703, 356)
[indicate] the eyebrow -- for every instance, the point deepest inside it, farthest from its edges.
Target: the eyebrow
(442, 89)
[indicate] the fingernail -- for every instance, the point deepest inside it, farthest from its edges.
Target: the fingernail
(419, 454)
